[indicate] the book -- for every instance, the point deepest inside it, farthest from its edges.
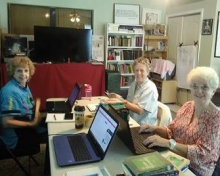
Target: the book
(92, 171)
(147, 164)
(178, 161)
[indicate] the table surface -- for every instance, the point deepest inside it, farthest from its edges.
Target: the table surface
(117, 151)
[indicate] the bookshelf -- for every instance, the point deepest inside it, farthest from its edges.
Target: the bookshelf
(156, 46)
(124, 43)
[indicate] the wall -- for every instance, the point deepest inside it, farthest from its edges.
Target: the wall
(103, 10)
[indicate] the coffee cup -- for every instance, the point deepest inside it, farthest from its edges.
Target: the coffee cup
(79, 116)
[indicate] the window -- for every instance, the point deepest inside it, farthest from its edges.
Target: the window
(23, 18)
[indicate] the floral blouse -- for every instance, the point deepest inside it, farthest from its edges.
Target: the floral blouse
(202, 137)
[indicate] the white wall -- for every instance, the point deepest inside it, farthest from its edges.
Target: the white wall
(103, 9)
(207, 43)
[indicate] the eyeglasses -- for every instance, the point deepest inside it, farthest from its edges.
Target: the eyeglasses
(203, 87)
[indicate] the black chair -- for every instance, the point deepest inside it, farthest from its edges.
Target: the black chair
(7, 153)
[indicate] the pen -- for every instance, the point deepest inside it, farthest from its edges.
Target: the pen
(54, 116)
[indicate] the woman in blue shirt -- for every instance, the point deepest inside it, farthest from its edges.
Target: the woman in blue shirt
(17, 105)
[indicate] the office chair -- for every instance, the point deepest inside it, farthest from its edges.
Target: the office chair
(7, 153)
(164, 115)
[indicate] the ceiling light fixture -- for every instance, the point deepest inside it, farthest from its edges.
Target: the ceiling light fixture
(74, 17)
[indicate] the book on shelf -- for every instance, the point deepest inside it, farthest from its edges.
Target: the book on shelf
(147, 164)
(178, 161)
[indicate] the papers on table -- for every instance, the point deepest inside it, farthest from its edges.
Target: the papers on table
(93, 171)
(92, 107)
(51, 117)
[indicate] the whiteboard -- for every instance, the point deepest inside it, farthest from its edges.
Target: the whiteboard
(186, 61)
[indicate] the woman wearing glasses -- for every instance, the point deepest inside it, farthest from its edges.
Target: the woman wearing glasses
(195, 132)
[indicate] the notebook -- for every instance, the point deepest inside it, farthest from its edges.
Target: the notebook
(131, 137)
(85, 148)
(64, 106)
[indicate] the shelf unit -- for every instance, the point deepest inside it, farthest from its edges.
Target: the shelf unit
(124, 43)
(156, 46)
(166, 90)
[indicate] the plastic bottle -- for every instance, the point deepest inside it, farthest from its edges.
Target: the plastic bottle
(88, 91)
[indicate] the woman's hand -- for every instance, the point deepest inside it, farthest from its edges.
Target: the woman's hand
(156, 140)
(113, 95)
(145, 128)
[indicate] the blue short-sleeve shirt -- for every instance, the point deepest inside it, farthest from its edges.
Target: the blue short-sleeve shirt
(18, 102)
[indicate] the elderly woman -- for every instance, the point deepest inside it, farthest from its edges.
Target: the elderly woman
(195, 132)
(142, 94)
(16, 102)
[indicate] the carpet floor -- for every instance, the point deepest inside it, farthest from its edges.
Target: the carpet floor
(9, 168)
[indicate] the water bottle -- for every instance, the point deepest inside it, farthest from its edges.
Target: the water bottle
(88, 91)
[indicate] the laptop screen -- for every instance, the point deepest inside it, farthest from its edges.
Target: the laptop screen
(74, 94)
(103, 128)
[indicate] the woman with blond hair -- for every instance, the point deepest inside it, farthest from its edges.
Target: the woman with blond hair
(17, 117)
(142, 94)
(195, 132)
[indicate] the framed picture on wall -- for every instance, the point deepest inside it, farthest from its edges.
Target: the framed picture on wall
(151, 16)
(207, 26)
(127, 14)
(217, 40)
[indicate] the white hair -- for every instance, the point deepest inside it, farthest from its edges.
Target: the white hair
(206, 73)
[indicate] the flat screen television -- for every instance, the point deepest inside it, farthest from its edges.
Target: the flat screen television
(14, 46)
(57, 45)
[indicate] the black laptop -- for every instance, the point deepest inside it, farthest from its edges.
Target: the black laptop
(86, 148)
(64, 106)
(130, 136)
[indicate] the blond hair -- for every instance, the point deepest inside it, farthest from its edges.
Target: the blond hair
(19, 61)
(144, 61)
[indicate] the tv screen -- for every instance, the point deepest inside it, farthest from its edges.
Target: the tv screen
(14, 46)
(56, 44)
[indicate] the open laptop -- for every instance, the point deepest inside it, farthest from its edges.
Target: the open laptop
(64, 106)
(85, 148)
(131, 137)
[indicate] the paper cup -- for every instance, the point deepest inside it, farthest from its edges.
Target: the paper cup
(89, 119)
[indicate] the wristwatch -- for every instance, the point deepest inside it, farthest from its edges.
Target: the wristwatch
(172, 144)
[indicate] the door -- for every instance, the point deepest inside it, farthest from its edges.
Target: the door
(174, 33)
(182, 29)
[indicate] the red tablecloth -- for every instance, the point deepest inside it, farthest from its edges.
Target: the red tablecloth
(57, 80)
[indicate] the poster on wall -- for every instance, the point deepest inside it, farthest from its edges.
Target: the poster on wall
(151, 16)
(98, 48)
(127, 14)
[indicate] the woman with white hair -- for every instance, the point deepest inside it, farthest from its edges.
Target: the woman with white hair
(195, 132)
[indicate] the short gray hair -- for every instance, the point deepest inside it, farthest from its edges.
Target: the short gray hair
(206, 73)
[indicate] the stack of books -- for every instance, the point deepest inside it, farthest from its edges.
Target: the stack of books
(150, 164)
(179, 162)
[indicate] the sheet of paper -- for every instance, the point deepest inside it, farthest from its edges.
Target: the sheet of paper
(93, 171)
(92, 107)
(51, 117)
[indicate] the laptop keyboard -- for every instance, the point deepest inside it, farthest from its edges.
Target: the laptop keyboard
(79, 148)
(138, 142)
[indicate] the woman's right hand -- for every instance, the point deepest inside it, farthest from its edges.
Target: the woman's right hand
(113, 95)
(145, 128)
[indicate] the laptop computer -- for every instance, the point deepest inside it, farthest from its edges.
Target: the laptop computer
(131, 137)
(86, 148)
(64, 106)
